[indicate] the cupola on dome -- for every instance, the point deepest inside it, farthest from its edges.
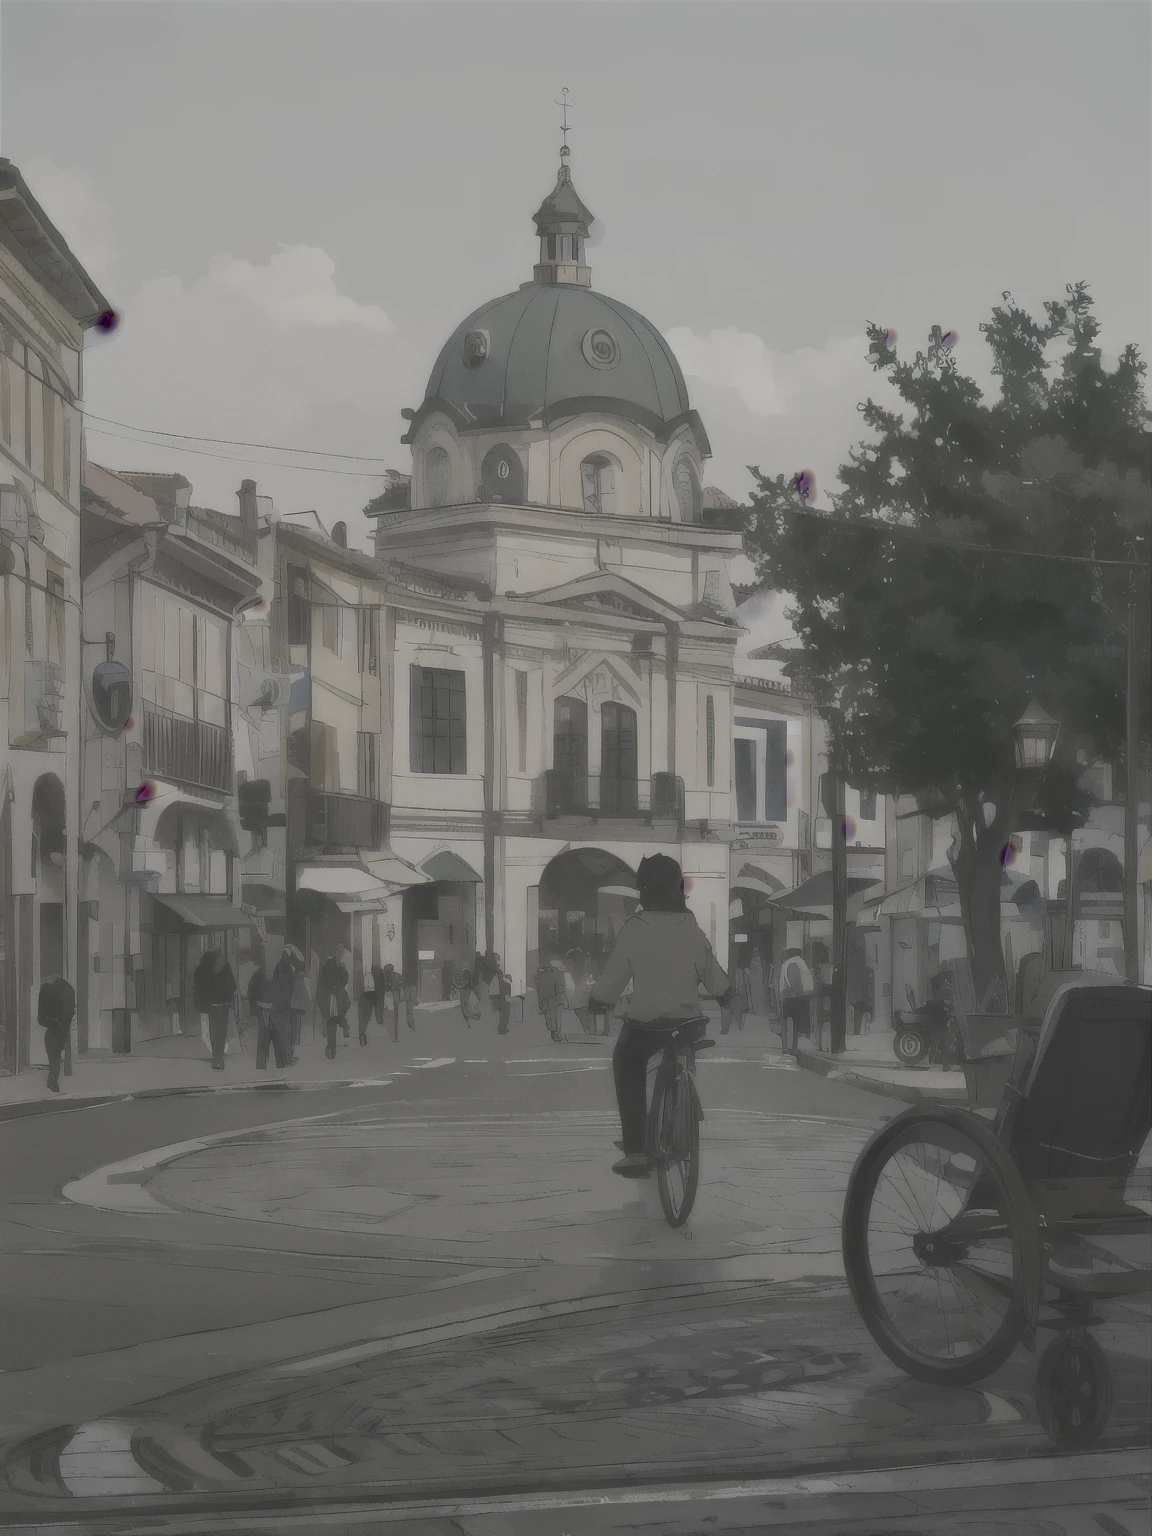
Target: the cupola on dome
(555, 349)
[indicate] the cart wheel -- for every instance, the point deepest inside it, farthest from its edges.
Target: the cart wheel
(1074, 1391)
(909, 1046)
(938, 1241)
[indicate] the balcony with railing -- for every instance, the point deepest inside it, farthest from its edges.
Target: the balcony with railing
(335, 820)
(187, 751)
(601, 797)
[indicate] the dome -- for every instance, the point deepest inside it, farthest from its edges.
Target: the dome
(554, 350)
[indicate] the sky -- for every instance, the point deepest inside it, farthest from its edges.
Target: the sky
(291, 206)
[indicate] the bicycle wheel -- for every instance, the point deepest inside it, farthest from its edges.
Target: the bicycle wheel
(940, 1246)
(674, 1142)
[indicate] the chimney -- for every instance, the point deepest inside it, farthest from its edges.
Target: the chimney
(340, 535)
(249, 519)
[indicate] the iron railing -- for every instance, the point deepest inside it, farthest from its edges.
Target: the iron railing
(189, 751)
(607, 796)
(336, 820)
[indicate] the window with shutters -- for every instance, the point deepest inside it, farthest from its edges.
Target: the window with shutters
(710, 739)
(299, 607)
(867, 805)
(48, 418)
(331, 629)
(437, 724)
(366, 764)
(367, 656)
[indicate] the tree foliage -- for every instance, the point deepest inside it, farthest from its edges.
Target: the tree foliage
(924, 653)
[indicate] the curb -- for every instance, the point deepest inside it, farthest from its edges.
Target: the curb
(824, 1066)
(26, 1107)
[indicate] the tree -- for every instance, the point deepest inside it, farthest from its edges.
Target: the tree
(924, 653)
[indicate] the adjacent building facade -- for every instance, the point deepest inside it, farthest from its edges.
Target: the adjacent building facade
(47, 302)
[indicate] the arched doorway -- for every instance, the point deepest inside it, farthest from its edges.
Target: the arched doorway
(585, 897)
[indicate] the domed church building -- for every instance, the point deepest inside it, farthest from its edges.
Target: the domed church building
(562, 697)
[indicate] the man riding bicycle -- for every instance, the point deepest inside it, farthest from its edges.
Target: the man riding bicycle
(662, 951)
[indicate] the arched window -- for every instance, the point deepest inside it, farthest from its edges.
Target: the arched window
(598, 478)
(502, 476)
(1100, 870)
(687, 488)
(438, 473)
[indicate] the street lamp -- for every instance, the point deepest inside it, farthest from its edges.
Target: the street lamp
(1035, 736)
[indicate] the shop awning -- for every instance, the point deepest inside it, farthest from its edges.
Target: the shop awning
(199, 914)
(628, 891)
(813, 897)
(447, 865)
(936, 895)
(750, 877)
(348, 886)
(393, 870)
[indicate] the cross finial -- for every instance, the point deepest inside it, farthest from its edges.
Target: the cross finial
(564, 124)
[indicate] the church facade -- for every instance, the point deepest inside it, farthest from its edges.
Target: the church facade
(560, 630)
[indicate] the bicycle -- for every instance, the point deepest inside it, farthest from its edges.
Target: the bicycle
(674, 1122)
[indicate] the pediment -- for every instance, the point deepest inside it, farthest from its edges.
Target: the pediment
(605, 592)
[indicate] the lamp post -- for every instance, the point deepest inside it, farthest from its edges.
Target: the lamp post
(1034, 736)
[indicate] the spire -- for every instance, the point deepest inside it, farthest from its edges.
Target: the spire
(562, 222)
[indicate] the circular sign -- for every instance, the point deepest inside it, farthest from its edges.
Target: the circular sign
(112, 695)
(477, 345)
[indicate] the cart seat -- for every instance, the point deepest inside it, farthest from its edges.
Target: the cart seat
(1083, 1108)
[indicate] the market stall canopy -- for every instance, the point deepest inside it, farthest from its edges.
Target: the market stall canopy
(190, 913)
(813, 897)
(936, 895)
(393, 870)
(751, 877)
(447, 865)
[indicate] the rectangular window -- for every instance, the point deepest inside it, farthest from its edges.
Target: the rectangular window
(330, 627)
(299, 607)
(710, 739)
(867, 805)
(48, 415)
(551, 247)
(5, 400)
(776, 771)
(745, 779)
(366, 764)
(522, 720)
(366, 641)
(437, 721)
(54, 616)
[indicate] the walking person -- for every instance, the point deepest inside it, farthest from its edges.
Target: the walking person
(213, 989)
(299, 997)
(409, 990)
(333, 998)
(550, 996)
(391, 981)
(366, 1004)
(663, 952)
(275, 1016)
(500, 995)
(797, 990)
(55, 1008)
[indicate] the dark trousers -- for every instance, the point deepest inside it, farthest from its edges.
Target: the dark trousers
(55, 1039)
(271, 1032)
(218, 1029)
(504, 1008)
(365, 1007)
(634, 1048)
(797, 1020)
(339, 1022)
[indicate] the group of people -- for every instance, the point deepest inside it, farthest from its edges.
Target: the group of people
(280, 1003)
(485, 977)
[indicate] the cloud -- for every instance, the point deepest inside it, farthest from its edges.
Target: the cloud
(296, 288)
(68, 196)
(260, 353)
(766, 381)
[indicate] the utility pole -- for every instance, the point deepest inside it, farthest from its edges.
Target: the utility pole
(834, 809)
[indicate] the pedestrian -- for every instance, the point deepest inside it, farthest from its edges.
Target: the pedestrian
(392, 990)
(256, 994)
(299, 998)
(500, 992)
(333, 997)
(549, 996)
(797, 989)
(469, 1002)
(275, 1007)
(379, 993)
(366, 1002)
(409, 990)
(213, 989)
(736, 1009)
(55, 1007)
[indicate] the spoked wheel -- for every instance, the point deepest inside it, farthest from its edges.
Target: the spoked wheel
(1074, 1391)
(674, 1142)
(939, 1245)
(909, 1046)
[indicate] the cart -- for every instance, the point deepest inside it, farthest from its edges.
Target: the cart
(966, 1231)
